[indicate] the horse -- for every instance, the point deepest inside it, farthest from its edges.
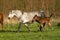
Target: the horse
(42, 21)
(23, 17)
(1, 20)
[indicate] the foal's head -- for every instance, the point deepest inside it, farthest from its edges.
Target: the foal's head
(36, 18)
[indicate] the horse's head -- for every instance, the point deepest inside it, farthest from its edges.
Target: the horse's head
(16, 13)
(11, 15)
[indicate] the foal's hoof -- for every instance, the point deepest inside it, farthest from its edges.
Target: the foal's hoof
(41, 31)
(38, 30)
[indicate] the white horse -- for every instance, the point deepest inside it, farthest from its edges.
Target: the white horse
(24, 17)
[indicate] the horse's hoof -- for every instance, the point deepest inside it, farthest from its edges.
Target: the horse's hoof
(29, 31)
(2, 30)
(18, 31)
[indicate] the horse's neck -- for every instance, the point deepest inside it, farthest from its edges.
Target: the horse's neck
(18, 15)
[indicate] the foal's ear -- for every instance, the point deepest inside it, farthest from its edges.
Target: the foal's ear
(35, 15)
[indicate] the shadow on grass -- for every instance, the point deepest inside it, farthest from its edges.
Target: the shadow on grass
(7, 31)
(17, 31)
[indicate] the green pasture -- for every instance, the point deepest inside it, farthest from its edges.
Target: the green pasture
(10, 32)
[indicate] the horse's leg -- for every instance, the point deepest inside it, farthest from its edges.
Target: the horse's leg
(26, 25)
(19, 26)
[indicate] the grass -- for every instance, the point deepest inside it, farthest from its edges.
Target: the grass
(11, 33)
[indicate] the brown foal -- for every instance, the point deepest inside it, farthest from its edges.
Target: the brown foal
(42, 21)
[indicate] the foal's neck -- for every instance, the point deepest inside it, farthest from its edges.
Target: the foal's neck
(38, 19)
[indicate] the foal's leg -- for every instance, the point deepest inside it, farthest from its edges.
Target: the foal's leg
(49, 24)
(26, 25)
(40, 27)
(44, 24)
(19, 27)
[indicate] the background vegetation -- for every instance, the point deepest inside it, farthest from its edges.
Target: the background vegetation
(50, 6)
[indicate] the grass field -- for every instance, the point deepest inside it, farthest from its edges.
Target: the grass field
(11, 33)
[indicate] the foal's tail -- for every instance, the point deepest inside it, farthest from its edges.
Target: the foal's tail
(51, 15)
